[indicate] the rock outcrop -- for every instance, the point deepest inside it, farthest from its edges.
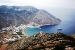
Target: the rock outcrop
(7, 34)
(43, 41)
(73, 35)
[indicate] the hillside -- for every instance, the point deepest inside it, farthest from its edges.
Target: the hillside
(43, 41)
(16, 15)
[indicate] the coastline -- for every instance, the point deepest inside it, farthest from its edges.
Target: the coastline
(31, 31)
(24, 27)
(25, 32)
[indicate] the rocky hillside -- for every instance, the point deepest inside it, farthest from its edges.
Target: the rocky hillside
(16, 15)
(7, 34)
(73, 35)
(43, 41)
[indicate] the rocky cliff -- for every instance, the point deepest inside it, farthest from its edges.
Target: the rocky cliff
(42, 41)
(16, 15)
(7, 34)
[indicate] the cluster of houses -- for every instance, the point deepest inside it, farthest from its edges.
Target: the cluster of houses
(18, 32)
(15, 34)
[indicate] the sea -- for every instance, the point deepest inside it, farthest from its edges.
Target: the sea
(67, 16)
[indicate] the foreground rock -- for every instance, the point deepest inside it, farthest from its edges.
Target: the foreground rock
(6, 34)
(73, 35)
(43, 41)
(3, 47)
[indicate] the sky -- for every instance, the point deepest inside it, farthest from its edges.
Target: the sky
(41, 3)
(58, 8)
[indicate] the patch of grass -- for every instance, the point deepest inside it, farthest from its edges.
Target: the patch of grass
(19, 33)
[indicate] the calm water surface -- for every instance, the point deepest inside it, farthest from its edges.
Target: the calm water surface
(67, 24)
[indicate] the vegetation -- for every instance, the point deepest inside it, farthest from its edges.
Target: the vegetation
(19, 33)
(59, 47)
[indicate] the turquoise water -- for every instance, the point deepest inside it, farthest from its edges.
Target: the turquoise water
(31, 31)
(67, 25)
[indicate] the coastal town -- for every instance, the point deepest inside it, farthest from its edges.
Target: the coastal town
(17, 32)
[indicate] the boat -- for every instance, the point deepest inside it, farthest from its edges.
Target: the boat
(59, 28)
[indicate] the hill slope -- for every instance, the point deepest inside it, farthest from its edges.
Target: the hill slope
(16, 15)
(42, 41)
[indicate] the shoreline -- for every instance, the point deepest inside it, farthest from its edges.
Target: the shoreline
(23, 27)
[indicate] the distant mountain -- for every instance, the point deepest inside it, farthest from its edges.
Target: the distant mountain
(41, 41)
(16, 15)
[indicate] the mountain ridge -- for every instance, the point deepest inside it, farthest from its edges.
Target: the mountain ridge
(16, 15)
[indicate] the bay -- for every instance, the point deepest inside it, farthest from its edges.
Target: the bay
(67, 24)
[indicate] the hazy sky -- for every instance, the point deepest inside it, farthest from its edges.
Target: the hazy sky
(41, 3)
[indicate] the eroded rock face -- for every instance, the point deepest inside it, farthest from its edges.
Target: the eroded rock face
(16, 15)
(41, 41)
(3, 36)
(6, 34)
(73, 35)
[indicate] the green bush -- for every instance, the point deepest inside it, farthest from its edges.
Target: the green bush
(19, 33)
(59, 47)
